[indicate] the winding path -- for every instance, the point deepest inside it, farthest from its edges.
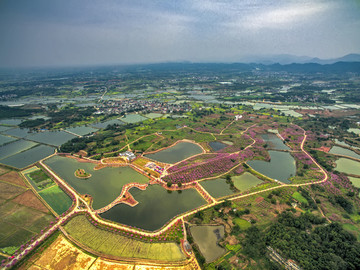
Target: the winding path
(78, 200)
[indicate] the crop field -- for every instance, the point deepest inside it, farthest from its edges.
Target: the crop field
(8, 191)
(60, 254)
(22, 215)
(12, 178)
(58, 200)
(117, 245)
(29, 199)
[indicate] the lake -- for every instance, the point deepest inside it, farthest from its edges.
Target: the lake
(245, 181)
(343, 151)
(104, 185)
(207, 237)
(281, 167)
(216, 146)
(349, 166)
(176, 153)
(156, 206)
(274, 142)
(217, 187)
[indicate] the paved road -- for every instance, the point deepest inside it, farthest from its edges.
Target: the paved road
(181, 217)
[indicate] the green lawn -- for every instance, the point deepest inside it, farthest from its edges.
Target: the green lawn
(58, 200)
(297, 196)
(243, 224)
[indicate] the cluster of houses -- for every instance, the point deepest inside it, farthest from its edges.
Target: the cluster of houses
(141, 106)
(154, 167)
(128, 155)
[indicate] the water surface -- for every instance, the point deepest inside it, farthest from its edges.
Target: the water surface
(156, 207)
(343, 151)
(349, 166)
(207, 237)
(176, 153)
(245, 181)
(28, 157)
(274, 142)
(217, 187)
(104, 185)
(281, 167)
(216, 146)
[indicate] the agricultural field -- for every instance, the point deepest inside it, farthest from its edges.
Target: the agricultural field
(57, 199)
(108, 243)
(39, 179)
(59, 253)
(22, 213)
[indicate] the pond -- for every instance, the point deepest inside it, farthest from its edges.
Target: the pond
(355, 130)
(81, 130)
(216, 146)
(207, 237)
(15, 147)
(153, 115)
(18, 132)
(343, 151)
(281, 166)
(55, 138)
(11, 121)
(5, 139)
(274, 142)
(133, 118)
(217, 188)
(106, 123)
(349, 166)
(28, 157)
(176, 153)
(345, 144)
(355, 181)
(104, 185)
(156, 206)
(245, 181)
(3, 128)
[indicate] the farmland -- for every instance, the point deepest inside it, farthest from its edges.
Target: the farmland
(22, 214)
(109, 243)
(58, 200)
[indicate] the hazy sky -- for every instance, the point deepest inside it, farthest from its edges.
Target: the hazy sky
(87, 32)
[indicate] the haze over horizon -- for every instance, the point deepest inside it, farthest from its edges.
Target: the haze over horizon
(82, 32)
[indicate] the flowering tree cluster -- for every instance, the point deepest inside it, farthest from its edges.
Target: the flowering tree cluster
(214, 166)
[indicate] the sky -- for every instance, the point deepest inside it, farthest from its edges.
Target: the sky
(101, 32)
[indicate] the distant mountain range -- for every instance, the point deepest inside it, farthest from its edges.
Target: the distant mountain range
(285, 59)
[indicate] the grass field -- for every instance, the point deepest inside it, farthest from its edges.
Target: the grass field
(297, 196)
(58, 200)
(116, 245)
(243, 224)
(38, 176)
